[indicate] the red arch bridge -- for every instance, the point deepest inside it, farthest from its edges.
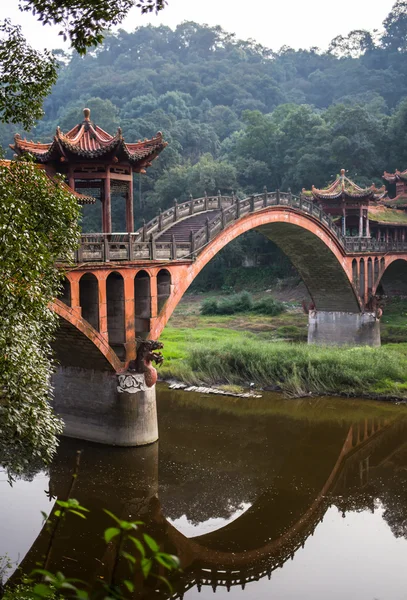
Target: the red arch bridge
(125, 286)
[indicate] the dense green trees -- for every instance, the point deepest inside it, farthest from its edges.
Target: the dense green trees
(237, 115)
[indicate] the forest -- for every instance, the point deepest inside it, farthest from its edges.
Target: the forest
(237, 115)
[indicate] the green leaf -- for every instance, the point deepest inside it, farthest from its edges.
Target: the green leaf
(129, 557)
(42, 590)
(111, 533)
(138, 545)
(112, 515)
(146, 565)
(76, 512)
(152, 544)
(129, 585)
(169, 561)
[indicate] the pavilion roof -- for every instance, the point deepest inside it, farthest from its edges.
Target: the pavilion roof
(89, 141)
(399, 201)
(396, 176)
(388, 216)
(345, 188)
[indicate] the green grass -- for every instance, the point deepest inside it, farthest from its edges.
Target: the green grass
(217, 356)
(242, 348)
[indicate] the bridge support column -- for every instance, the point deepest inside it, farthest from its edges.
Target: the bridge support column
(101, 406)
(343, 328)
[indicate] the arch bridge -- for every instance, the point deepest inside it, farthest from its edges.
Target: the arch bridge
(125, 286)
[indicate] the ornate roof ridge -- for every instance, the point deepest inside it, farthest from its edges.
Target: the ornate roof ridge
(391, 177)
(345, 187)
(91, 141)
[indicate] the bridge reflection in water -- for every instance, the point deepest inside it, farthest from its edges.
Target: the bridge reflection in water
(288, 461)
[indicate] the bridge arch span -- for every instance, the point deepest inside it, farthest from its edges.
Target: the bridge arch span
(78, 344)
(311, 246)
(392, 277)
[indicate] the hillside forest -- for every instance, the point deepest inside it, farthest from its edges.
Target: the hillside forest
(238, 116)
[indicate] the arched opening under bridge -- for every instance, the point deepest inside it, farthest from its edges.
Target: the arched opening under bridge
(89, 299)
(115, 312)
(394, 279)
(313, 249)
(163, 288)
(142, 300)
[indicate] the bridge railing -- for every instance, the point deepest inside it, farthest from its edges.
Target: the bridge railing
(255, 203)
(181, 211)
(145, 244)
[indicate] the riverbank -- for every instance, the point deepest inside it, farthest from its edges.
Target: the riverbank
(271, 352)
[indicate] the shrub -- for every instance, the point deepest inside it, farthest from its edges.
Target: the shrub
(227, 306)
(268, 306)
(209, 306)
(242, 302)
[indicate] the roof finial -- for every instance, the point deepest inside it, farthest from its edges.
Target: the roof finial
(343, 172)
(86, 114)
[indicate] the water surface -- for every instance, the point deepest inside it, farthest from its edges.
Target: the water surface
(259, 498)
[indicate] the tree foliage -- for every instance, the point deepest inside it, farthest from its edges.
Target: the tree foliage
(84, 21)
(37, 225)
(26, 77)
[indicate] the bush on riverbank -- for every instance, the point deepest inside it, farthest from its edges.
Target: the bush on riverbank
(242, 302)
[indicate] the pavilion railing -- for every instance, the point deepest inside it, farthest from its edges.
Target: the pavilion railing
(145, 243)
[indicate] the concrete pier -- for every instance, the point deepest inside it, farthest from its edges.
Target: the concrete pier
(93, 408)
(343, 328)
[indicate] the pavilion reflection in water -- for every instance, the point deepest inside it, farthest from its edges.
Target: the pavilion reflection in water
(289, 470)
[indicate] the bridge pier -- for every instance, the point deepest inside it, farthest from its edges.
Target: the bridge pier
(96, 407)
(343, 328)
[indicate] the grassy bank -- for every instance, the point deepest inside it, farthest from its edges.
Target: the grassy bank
(242, 348)
(216, 356)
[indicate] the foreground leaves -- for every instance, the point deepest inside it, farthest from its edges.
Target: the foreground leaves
(37, 225)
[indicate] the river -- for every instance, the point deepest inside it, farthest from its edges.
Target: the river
(260, 498)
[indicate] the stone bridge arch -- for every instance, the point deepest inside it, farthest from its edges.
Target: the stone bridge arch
(393, 277)
(78, 344)
(311, 246)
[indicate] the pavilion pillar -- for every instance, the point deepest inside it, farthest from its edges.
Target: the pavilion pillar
(403, 235)
(107, 205)
(129, 316)
(361, 222)
(129, 207)
(71, 179)
(367, 224)
(343, 220)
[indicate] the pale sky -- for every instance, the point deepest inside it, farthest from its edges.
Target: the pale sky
(273, 23)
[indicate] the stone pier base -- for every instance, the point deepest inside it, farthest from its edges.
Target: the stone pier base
(93, 409)
(342, 328)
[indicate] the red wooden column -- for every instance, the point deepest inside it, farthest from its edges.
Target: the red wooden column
(129, 207)
(129, 314)
(74, 277)
(154, 295)
(71, 180)
(360, 222)
(107, 205)
(367, 224)
(102, 304)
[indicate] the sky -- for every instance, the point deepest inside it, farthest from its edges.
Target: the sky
(273, 23)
